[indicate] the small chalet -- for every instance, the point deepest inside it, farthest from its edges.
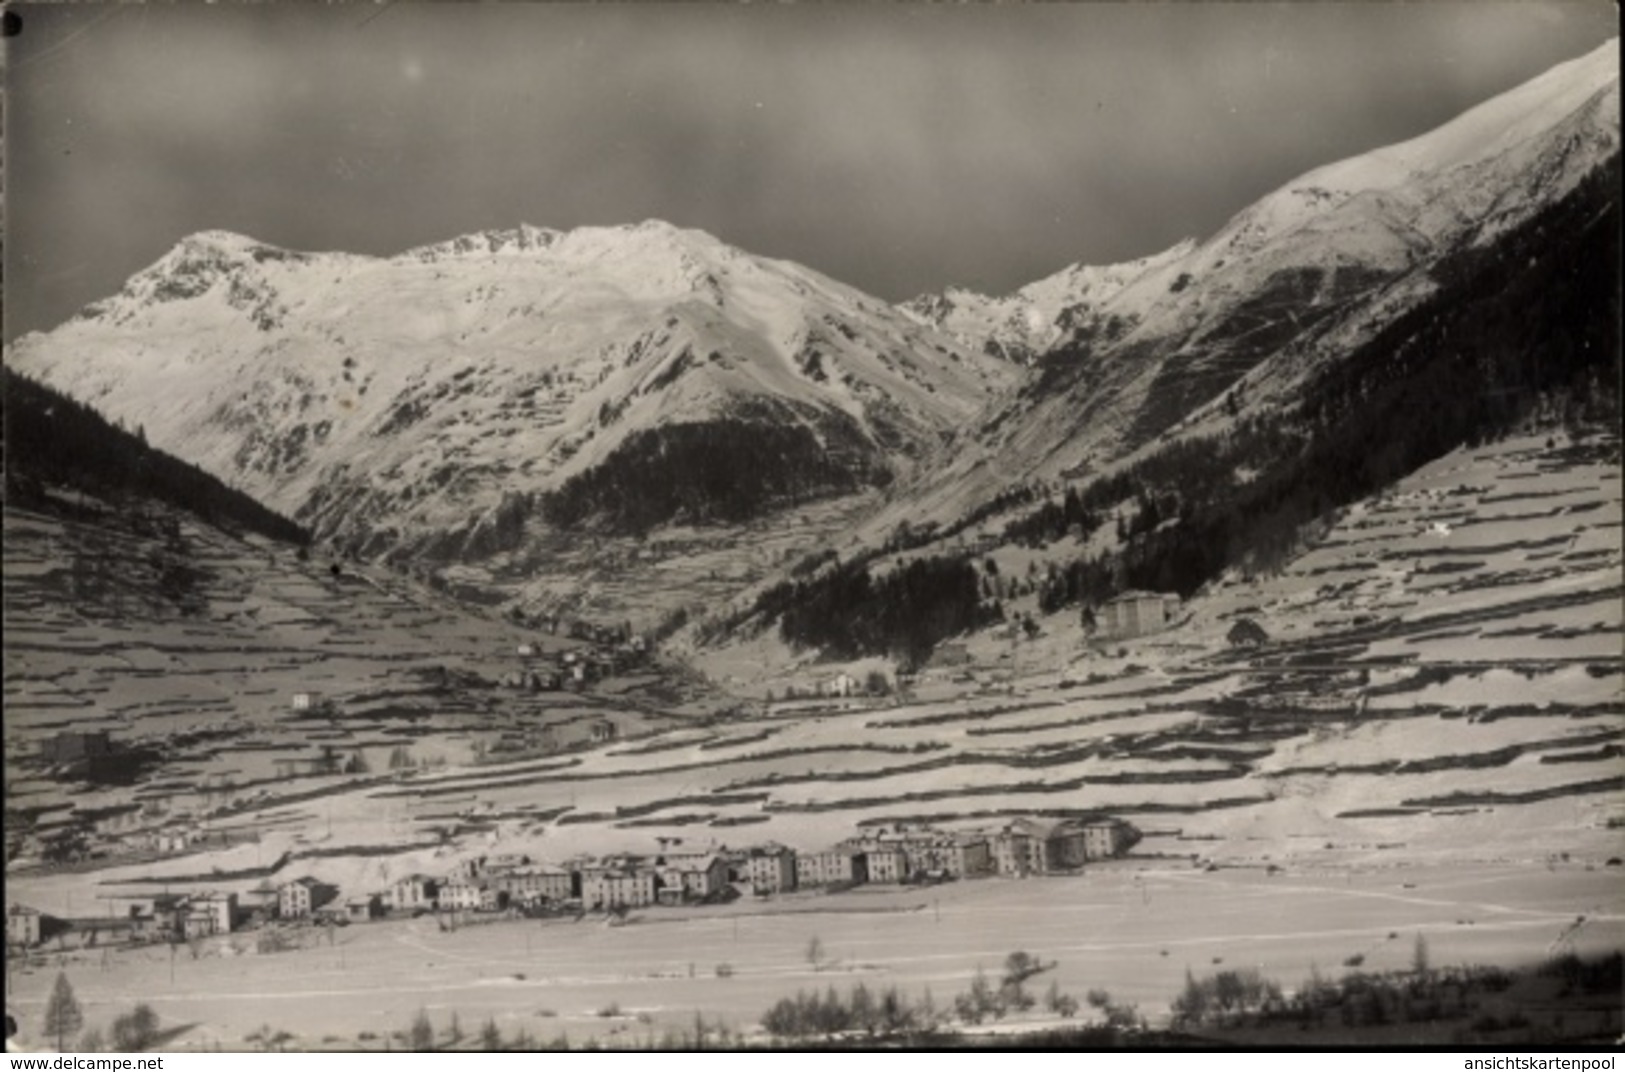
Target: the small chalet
(195, 924)
(842, 684)
(178, 839)
(602, 730)
(1135, 613)
(364, 909)
(22, 925)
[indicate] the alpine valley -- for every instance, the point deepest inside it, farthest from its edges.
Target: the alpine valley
(477, 407)
(1294, 548)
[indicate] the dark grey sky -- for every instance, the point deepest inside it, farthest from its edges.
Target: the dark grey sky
(901, 148)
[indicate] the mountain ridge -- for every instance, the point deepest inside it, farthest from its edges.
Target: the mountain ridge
(477, 399)
(586, 337)
(1286, 285)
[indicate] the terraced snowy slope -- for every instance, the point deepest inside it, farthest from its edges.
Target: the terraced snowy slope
(1386, 714)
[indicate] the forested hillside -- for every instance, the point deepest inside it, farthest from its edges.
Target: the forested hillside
(52, 440)
(1522, 331)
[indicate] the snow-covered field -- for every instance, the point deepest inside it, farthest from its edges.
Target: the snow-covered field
(1133, 930)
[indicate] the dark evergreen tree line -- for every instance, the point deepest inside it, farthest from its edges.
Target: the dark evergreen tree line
(846, 613)
(54, 440)
(721, 471)
(1525, 328)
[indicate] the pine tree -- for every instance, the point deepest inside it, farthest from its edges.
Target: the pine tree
(63, 1017)
(422, 1033)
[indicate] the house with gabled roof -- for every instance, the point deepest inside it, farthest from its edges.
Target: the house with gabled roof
(412, 893)
(1134, 613)
(691, 876)
(623, 882)
(842, 684)
(830, 867)
(219, 908)
(301, 898)
(1104, 838)
(363, 908)
(459, 893)
(23, 925)
(534, 885)
(885, 862)
(1020, 847)
(770, 869)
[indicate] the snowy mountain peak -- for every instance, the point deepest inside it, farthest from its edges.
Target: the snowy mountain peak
(522, 239)
(1205, 334)
(221, 241)
(1377, 212)
(1023, 326)
(1505, 125)
(393, 403)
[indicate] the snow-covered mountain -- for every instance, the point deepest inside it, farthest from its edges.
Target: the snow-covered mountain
(1208, 332)
(461, 400)
(431, 400)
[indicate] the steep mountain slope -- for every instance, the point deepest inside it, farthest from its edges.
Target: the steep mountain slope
(146, 600)
(432, 404)
(53, 442)
(1234, 325)
(1121, 469)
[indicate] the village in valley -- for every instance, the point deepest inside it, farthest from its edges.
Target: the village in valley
(517, 886)
(553, 783)
(174, 826)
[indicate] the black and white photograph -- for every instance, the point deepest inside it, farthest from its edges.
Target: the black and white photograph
(812, 526)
